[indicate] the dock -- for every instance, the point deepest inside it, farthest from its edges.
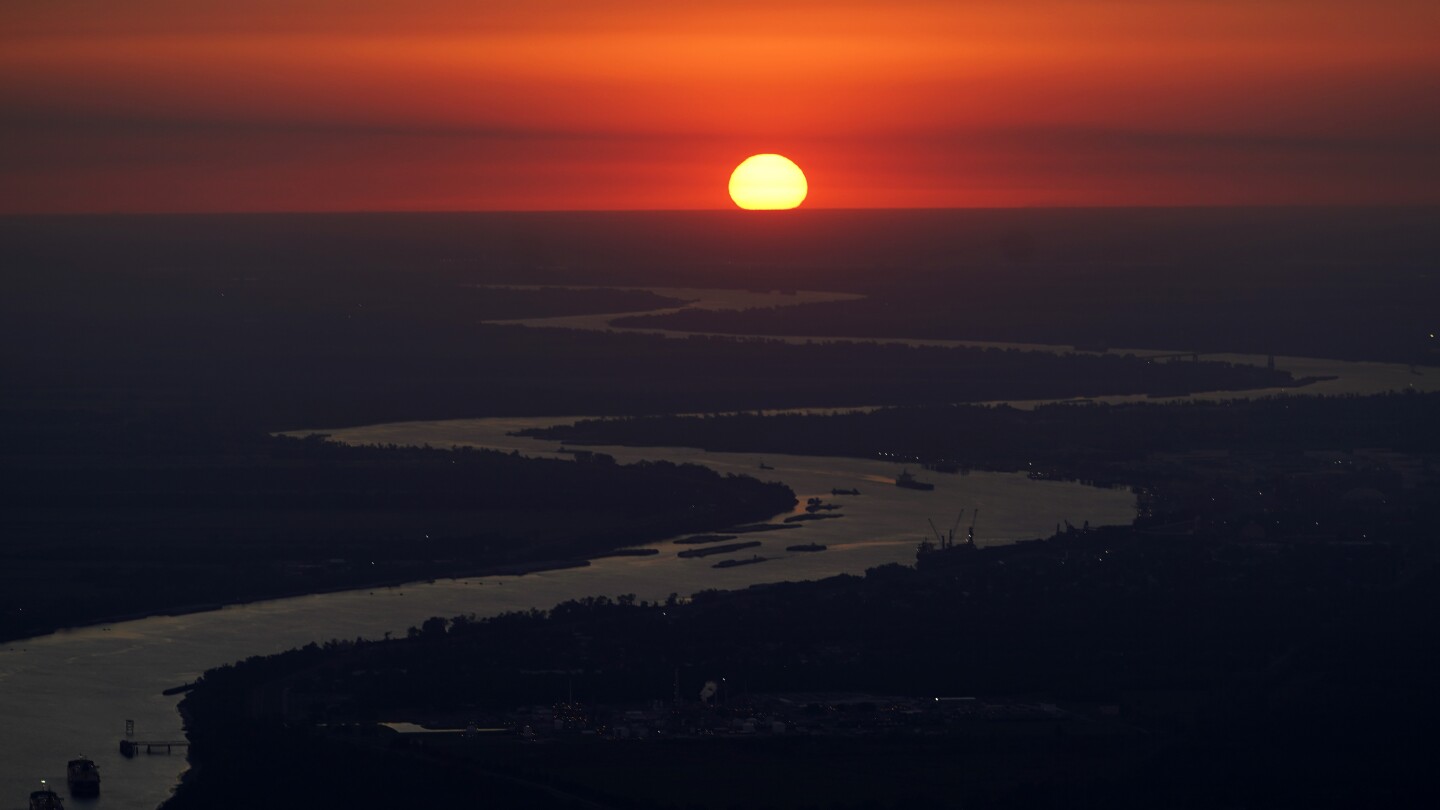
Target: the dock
(129, 748)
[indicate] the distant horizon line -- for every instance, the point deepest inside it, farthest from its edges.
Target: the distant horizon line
(730, 210)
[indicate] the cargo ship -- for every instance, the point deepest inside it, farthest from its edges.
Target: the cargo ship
(907, 481)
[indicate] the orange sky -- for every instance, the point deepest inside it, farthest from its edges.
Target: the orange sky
(300, 105)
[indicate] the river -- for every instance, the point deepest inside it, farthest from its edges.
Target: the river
(70, 693)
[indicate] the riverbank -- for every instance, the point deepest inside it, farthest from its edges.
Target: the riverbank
(1110, 660)
(512, 570)
(1095, 443)
(262, 518)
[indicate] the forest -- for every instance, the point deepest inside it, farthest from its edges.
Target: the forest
(134, 517)
(1284, 672)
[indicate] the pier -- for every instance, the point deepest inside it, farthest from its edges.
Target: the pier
(129, 748)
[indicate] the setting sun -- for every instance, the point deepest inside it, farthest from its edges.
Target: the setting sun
(768, 183)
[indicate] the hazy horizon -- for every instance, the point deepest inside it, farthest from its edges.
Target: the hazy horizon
(158, 105)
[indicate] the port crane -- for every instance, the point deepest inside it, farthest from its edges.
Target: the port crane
(948, 540)
(939, 538)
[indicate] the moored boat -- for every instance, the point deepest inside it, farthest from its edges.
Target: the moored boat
(732, 563)
(812, 516)
(83, 777)
(45, 798)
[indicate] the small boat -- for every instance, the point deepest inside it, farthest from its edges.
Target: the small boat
(907, 481)
(752, 528)
(813, 516)
(807, 547)
(732, 563)
(624, 552)
(83, 777)
(765, 466)
(844, 492)
(706, 551)
(45, 799)
(816, 505)
(697, 539)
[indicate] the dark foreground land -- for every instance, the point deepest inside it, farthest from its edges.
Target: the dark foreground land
(1109, 668)
(1259, 638)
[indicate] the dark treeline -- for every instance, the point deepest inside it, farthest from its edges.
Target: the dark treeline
(1005, 438)
(1210, 461)
(1331, 282)
(1350, 316)
(280, 353)
(861, 251)
(313, 321)
(1290, 676)
(321, 475)
(99, 525)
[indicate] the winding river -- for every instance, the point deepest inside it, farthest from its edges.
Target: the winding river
(70, 693)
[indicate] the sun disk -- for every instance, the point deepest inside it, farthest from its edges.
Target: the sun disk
(768, 183)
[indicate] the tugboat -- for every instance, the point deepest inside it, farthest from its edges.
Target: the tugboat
(907, 481)
(83, 777)
(45, 799)
(814, 505)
